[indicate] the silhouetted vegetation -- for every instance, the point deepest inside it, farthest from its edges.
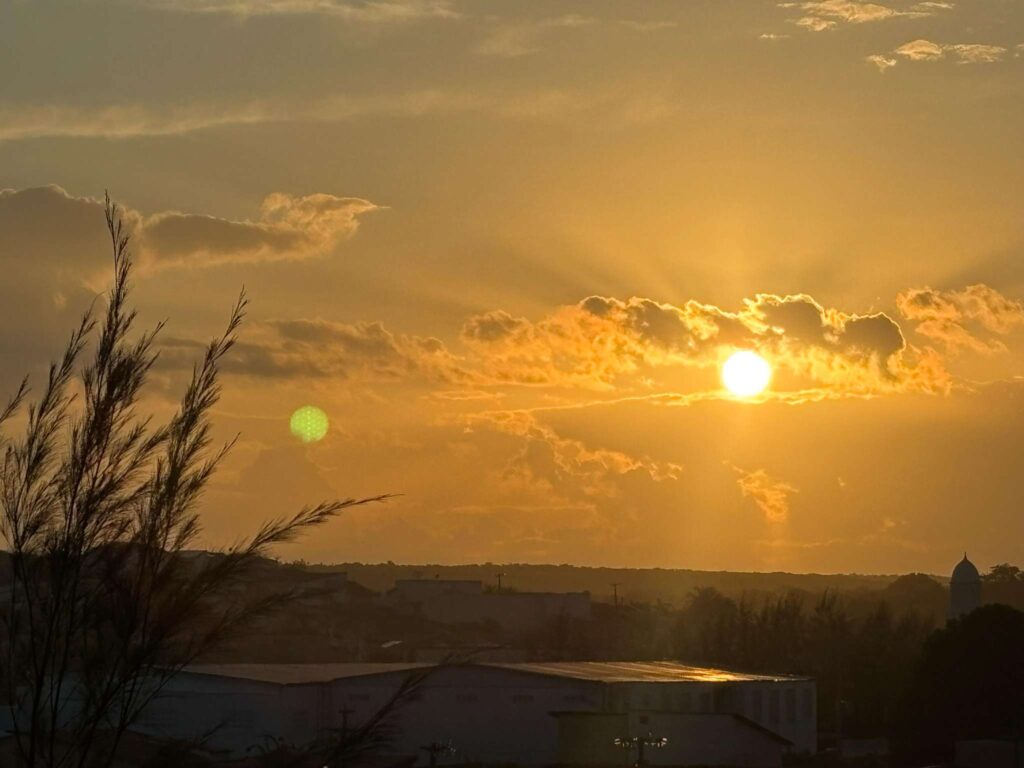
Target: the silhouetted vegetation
(102, 604)
(968, 684)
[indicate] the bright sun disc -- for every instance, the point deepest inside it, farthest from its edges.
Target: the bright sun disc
(746, 373)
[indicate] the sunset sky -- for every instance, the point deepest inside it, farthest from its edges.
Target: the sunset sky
(506, 247)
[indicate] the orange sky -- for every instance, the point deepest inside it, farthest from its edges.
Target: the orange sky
(506, 247)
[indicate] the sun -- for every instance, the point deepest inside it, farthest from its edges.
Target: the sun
(746, 373)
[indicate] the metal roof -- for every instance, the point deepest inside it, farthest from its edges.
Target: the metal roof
(295, 674)
(596, 671)
(638, 672)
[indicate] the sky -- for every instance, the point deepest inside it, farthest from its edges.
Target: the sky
(506, 248)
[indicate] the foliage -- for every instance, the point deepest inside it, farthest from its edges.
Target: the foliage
(97, 510)
(968, 684)
(857, 657)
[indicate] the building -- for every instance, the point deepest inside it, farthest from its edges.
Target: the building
(964, 589)
(450, 601)
(514, 713)
(697, 738)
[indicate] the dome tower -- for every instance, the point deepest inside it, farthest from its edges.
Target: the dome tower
(964, 589)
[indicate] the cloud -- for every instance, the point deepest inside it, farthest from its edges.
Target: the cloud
(968, 319)
(770, 494)
(882, 62)
(920, 50)
(632, 347)
(48, 220)
(606, 343)
(815, 23)
(51, 244)
(370, 11)
(561, 464)
(615, 104)
(289, 227)
(823, 15)
(492, 326)
(322, 349)
(927, 50)
(512, 40)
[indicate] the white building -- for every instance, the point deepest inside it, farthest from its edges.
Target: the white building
(964, 589)
(526, 714)
(451, 601)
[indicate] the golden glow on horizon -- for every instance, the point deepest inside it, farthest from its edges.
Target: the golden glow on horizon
(746, 373)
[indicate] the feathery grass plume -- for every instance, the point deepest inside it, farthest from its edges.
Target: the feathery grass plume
(97, 508)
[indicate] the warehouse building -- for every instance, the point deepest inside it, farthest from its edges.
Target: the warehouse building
(523, 714)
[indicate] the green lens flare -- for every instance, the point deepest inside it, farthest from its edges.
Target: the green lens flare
(309, 424)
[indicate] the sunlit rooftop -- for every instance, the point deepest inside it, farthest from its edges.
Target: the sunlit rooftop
(597, 671)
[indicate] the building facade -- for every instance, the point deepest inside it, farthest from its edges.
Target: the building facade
(493, 712)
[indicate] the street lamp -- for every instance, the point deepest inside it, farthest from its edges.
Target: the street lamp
(641, 743)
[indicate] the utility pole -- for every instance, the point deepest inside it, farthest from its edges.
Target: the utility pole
(641, 743)
(499, 580)
(436, 749)
(615, 594)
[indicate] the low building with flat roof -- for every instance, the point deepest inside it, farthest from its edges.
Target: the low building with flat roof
(492, 712)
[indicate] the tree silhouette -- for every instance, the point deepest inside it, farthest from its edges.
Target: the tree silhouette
(97, 507)
(969, 684)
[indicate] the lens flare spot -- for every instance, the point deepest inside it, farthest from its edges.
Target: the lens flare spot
(746, 373)
(309, 424)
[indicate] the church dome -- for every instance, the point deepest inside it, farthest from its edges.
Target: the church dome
(965, 572)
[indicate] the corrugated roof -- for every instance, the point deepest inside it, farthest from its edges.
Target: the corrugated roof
(598, 671)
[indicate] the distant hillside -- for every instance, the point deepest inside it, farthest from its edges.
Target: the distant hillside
(649, 584)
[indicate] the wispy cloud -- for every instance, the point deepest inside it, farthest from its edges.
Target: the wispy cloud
(621, 104)
(288, 227)
(821, 15)
(927, 50)
(370, 11)
(770, 494)
(973, 318)
(515, 39)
